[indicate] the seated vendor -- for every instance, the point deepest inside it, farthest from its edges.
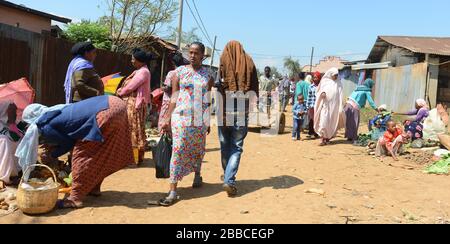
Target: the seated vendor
(10, 135)
(414, 126)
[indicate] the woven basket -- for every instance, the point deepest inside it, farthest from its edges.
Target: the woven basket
(37, 201)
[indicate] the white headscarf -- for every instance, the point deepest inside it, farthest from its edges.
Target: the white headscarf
(383, 107)
(308, 79)
(27, 151)
(422, 103)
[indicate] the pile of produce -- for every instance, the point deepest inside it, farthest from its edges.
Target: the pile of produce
(364, 140)
(440, 167)
(8, 202)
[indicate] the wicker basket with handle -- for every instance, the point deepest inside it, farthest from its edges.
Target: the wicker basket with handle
(34, 201)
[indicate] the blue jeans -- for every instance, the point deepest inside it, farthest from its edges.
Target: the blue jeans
(296, 129)
(232, 143)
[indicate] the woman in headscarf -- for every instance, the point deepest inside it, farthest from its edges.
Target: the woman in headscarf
(311, 102)
(10, 134)
(329, 116)
(96, 129)
(178, 61)
(309, 79)
(303, 89)
(355, 103)
(189, 122)
(82, 81)
(414, 126)
(136, 93)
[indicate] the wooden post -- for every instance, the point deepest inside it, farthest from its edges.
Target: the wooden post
(213, 52)
(432, 77)
(180, 24)
(311, 63)
(163, 64)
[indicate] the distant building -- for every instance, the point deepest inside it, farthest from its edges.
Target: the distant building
(27, 18)
(325, 64)
(420, 69)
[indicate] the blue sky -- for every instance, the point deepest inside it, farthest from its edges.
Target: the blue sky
(272, 29)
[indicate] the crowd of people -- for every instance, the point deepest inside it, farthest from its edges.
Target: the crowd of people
(320, 109)
(104, 134)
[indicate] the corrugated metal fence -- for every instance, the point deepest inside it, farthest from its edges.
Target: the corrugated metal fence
(44, 59)
(399, 87)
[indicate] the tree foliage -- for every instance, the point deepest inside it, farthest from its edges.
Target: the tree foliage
(89, 31)
(186, 37)
(131, 21)
(292, 66)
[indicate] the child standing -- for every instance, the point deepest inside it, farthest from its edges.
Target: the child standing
(299, 111)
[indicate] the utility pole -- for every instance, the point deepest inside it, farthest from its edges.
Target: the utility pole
(311, 63)
(213, 51)
(180, 25)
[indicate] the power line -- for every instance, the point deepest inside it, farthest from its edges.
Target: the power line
(193, 15)
(306, 56)
(201, 20)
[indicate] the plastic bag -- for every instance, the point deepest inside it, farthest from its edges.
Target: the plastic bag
(433, 126)
(162, 154)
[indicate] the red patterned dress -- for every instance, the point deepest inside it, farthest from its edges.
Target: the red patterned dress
(189, 122)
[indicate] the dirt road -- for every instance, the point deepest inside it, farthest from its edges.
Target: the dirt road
(274, 175)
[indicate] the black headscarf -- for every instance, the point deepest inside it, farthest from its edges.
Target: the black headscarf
(142, 56)
(81, 48)
(179, 60)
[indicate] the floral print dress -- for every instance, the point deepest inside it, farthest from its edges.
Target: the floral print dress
(189, 123)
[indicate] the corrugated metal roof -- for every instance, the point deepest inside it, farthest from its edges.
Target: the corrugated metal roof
(423, 45)
(426, 45)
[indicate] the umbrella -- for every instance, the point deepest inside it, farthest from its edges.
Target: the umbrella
(20, 92)
(112, 83)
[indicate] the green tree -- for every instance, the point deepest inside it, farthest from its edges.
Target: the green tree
(131, 22)
(275, 72)
(292, 66)
(186, 37)
(92, 31)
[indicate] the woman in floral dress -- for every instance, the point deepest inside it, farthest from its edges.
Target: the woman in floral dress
(189, 121)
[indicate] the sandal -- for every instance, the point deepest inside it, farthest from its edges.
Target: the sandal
(68, 204)
(167, 202)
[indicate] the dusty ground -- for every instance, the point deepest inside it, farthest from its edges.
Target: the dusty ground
(274, 175)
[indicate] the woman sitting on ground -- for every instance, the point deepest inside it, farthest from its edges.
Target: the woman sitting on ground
(10, 135)
(414, 127)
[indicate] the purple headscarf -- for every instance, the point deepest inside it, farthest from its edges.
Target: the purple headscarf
(77, 64)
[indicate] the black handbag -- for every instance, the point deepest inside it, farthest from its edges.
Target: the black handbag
(162, 154)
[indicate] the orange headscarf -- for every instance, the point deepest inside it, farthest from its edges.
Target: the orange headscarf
(238, 69)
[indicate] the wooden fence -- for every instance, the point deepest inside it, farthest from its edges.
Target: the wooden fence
(43, 60)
